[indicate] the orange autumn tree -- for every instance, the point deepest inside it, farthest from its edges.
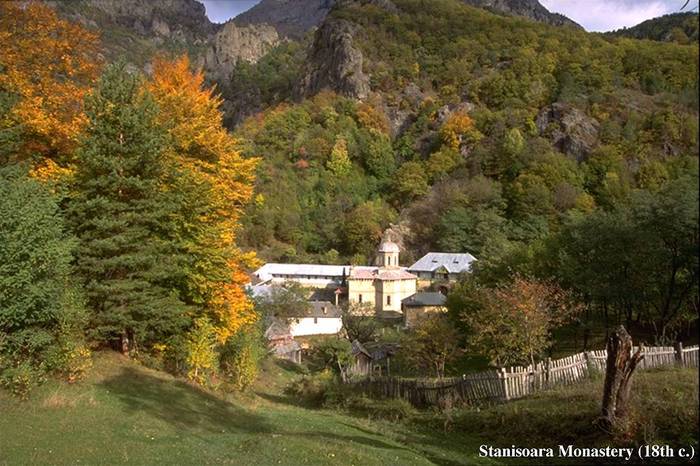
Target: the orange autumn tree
(47, 65)
(458, 130)
(512, 324)
(215, 182)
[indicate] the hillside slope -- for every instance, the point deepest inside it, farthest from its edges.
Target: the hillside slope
(125, 413)
(681, 28)
(470, 131)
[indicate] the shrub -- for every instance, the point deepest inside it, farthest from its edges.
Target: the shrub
(394, 409)
(201, 355)
(312, 389)
(20, 380)
(241, 355)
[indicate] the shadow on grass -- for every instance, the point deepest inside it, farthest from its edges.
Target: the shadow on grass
(179, 404)
(290, 366)
(195, 411)
(290, 400)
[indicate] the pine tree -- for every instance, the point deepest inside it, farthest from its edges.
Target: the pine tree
(122, 215)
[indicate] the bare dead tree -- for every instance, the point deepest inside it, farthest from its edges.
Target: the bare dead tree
(620, 366)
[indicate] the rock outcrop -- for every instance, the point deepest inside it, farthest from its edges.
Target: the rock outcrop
(335, 63)
(233, 43)
(570, 130)
(291, 18)
(294, 18)
(183, 20)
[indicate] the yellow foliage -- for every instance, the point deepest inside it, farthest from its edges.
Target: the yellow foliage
(203, 148)
(47, 170)
(201, 353)
(49, 64)
(458, 129)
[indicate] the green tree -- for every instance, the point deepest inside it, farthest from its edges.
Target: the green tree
(40, 309)
(379, 157)
(442, 162)
(645, 266)
(411, 182)
(241, 355)
(433, 344)
(364, 226)
(122, 217)
(513, 143)
(479, 231)
(200, 347)
(339, 162)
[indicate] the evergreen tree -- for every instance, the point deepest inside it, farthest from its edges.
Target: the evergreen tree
(122, 215)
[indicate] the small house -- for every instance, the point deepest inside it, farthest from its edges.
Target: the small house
(319, 318)
(421, 304)
(442, 266)
(281, 343)
(362, 361)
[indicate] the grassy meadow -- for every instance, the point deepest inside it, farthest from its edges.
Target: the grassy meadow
(126, 413)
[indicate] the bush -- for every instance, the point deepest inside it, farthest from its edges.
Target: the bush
(241, 355)
(312, 389)
(394, 409)
(201, 355)
(20, 380)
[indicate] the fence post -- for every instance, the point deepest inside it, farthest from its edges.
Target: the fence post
(589, 363)
(504, 380)
(679, 353)
(546, 372)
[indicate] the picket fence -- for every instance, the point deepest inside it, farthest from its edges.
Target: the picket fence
(515, 382)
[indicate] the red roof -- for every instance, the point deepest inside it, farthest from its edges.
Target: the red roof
(381, 274)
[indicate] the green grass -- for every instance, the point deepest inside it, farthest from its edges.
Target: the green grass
(125, 413)
(664, 411)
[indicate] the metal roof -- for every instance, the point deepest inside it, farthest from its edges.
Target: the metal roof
(268, 270)
(453, 262)
(426, 298)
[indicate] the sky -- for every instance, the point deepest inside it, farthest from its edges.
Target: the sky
(608, 15)
(219, 11)
(594, 15)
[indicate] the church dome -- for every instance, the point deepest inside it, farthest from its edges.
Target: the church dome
(388, 246)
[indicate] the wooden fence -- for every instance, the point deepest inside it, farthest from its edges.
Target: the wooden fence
(514, 382)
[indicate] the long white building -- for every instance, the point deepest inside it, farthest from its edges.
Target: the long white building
(312, 275)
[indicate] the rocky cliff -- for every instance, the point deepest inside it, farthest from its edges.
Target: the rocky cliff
(233, 43)
(183, 20)
(334, 62)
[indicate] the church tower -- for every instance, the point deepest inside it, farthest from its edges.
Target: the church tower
(388, 254)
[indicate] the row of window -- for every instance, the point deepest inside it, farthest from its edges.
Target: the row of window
(306, 277)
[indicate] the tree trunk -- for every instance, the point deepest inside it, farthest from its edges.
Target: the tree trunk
(620, 366)
(125, 343)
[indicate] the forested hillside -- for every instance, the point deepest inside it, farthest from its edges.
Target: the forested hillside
(480, 132)
(544, 151)
(148, 158)
(681, 28)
